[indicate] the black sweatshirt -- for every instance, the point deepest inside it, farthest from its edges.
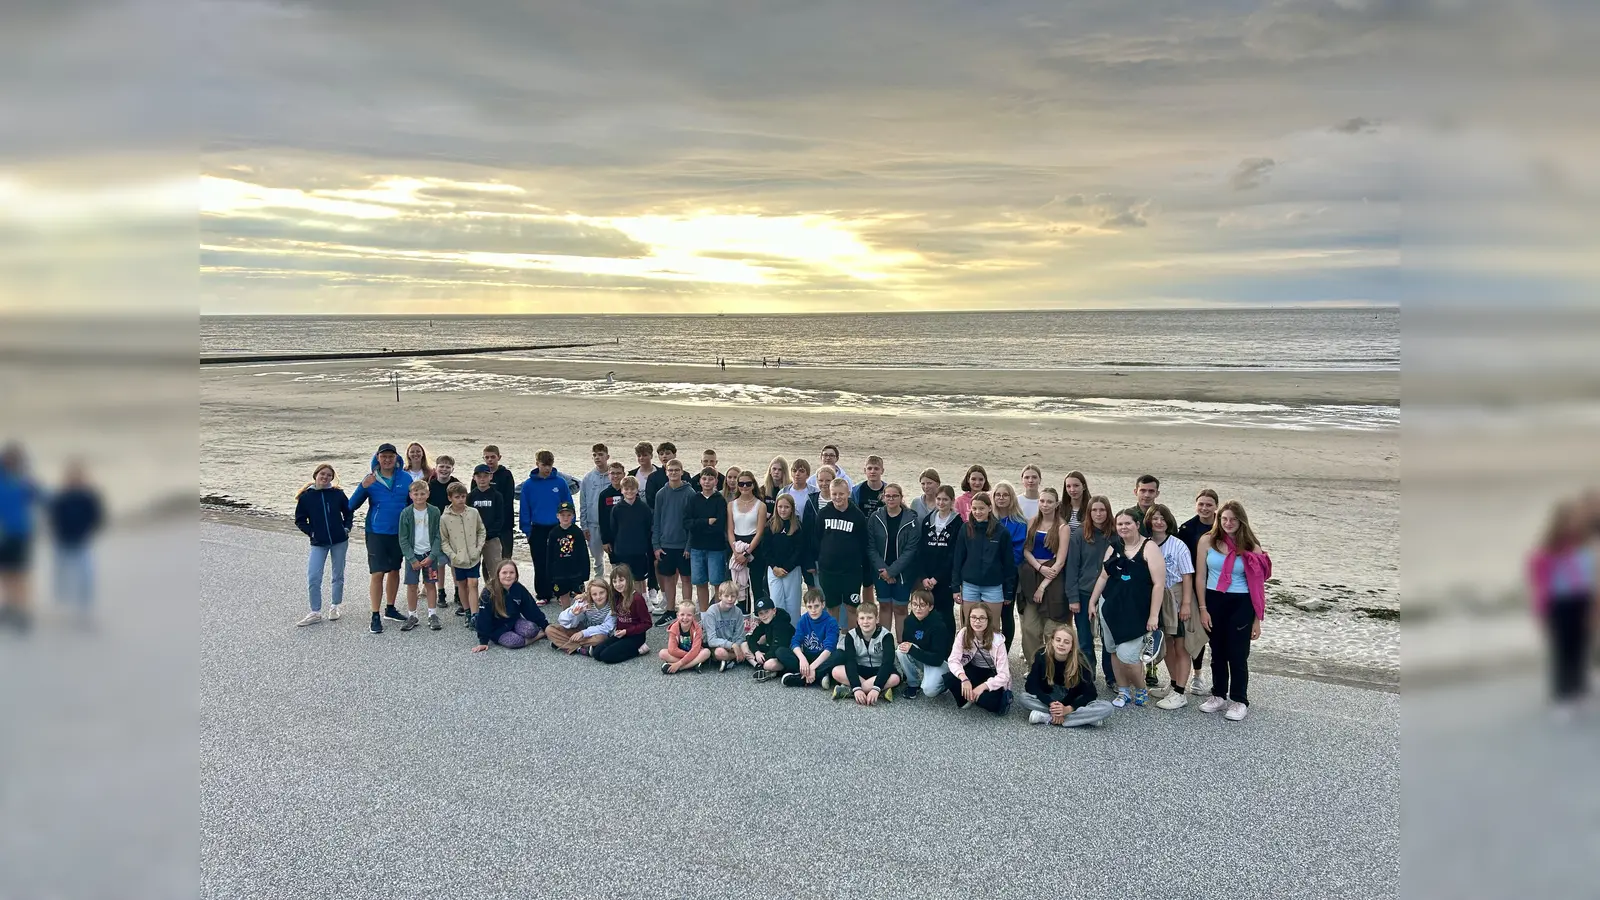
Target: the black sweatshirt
(608, 498)
(1078, 695)
(506, 483)
(936, 550)
(631, 527)
(518, 603)
(439, 492)
(930, 640)
(841, 540)
(983, 558)
(781, 550)
(703, 534)
(770, 637)
(492, 509)
(568, 555)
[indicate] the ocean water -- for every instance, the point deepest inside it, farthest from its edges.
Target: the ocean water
(1272, 339)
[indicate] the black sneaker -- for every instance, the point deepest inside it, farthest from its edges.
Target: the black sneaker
(377, 624)
(725, 665)
(666, 668)
(911, 693)
(434, 624)
(390, 612)
(793, 679)
(762, 675)
(461, 610)
(666, 617)
(411, 622)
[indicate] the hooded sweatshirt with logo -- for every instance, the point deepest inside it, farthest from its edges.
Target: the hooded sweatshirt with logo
(541, 496)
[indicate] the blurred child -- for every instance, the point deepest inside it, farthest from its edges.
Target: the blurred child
(723, 624)
(866, 666)
(421, 548)
(815, 639)
(773, 632)
(18, 494)
(1060, 687)
(463, 537)
(924, 647)
(507, 614)
(566, 556)
(1565, 587)
(321, 512)
(685, 647)
(587, 622)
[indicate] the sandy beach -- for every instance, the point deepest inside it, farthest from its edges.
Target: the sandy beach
(1311, 495)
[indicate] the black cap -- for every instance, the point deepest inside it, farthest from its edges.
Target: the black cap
(481, 469)
(764, 604)
(564, 507)
(388, 448)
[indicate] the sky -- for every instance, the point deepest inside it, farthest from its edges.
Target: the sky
(634, 156)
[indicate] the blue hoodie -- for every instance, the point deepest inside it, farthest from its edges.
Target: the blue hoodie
(816, 635)
(17, 497)
(541, 494)
(387, 500)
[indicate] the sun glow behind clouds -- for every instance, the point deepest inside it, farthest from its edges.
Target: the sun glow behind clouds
(708, 246)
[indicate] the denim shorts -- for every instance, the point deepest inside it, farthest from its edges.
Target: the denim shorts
(428, 574)
(971, 593)
(898, 593)
(708, 566)
(468, 572)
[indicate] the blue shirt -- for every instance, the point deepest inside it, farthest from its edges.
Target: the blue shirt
(1214, 560)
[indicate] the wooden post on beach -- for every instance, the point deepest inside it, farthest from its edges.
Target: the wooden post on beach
(395, 377)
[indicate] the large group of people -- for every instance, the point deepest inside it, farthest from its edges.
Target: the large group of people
(812, 578)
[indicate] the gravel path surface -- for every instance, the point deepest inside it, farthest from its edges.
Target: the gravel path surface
(335, 763)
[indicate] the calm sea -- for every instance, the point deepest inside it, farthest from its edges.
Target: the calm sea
(1277, 339)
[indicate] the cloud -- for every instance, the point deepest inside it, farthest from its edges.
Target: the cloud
(1357, 125)
(1252, 173)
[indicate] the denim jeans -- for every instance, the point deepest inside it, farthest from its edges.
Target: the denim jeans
(971, 593)
(319, 558)
(75, 576)
(928, 679)
(708, 566)
(1086, 639)
(785, 592)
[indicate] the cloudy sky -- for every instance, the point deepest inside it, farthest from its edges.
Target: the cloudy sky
(395, 156)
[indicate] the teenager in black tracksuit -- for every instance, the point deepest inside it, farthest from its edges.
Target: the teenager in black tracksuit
(840, 544)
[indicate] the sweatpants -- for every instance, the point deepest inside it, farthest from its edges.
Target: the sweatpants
(1092, 713)
(1231, 618)
(785, 592)
(920, 675)
(791, 663)
(996, 702)
(492, 557)
(597, 553)
(1570, 623)
(619, 649)
(538, 544)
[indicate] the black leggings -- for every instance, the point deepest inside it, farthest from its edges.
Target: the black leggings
(993, 701)
(1232, 615)
(1570, 628)
(791, 663)
(619, 649)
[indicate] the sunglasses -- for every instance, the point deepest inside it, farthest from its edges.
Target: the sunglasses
(748, 484)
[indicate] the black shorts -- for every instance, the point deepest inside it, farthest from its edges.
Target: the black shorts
(673, 562)
(383, 553)
(568, 586)
(840, 588)
(16, 551)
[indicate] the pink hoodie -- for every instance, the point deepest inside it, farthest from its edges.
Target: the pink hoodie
(1002, 665)
(1257, 569)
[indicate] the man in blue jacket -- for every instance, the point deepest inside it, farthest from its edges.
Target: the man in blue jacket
(387, 486)
(542, 494)
(18, 496)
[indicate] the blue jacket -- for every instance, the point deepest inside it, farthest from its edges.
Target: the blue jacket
(816, 635)
(540, 497)
(17, 497)
(324, 515)
(387, 502)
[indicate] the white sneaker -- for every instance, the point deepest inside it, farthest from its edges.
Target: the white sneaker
(310, 619)
(1038, 718)
(1236, 712)
(1173, 700)
(1197, 685)
(333, 612)
(1214, 704)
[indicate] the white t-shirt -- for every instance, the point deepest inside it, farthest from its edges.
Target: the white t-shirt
(419, 534)
(1030, 508)
(1179, 562)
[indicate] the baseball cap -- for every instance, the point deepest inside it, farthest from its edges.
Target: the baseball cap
(764, 604)
(564, 507)
(388, 448)
(481, 469)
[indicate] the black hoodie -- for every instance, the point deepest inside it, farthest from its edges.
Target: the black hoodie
(782, 550)
(983, 557)
(503, 481)
(703, 534)
(936, 550)
(631, 526)
(492, 509)
(929, 637)
(1078, 695)
(609, 498)
(841, 540)
(568, 556)
(770, 637)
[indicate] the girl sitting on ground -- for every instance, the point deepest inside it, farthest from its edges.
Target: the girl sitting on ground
(507, 614)
(587, 622)
(1060, 688)
(633, 620)
(979, 672)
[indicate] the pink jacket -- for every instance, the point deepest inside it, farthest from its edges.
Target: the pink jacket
(959, 657)
(1257, 569)
(737, 570)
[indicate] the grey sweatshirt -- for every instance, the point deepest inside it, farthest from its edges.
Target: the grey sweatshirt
(723, 628)
(670, 506)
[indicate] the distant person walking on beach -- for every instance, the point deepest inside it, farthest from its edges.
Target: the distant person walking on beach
(76, 516)
(387, 488)
(322, 513)
(1565, 582)
(1234, 568)
(18, 494)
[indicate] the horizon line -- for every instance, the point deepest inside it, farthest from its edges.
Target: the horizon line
(1295, 307)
